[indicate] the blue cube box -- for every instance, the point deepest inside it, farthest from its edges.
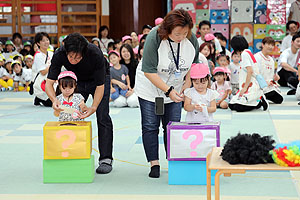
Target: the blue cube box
(189, 173)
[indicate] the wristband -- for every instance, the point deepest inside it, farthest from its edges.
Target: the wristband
(169, 91)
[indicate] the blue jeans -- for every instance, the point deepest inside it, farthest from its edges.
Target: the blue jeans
(117, 93)
(151, 123)
(105, 126)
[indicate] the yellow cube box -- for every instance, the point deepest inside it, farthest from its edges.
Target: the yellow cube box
(67, 140)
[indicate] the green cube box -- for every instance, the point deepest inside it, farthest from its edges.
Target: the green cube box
(69, 170)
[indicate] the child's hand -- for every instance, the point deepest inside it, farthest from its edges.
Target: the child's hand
(112, 90)
(198, 107)
(128, 93)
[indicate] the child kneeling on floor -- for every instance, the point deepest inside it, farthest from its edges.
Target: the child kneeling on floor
(121, 93)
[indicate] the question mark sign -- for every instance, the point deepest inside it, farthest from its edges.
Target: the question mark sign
(198, 140)
(68, 142)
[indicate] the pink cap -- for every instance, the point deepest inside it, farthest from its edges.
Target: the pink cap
(199, 70)
(218, 69)
(158, 20)
(135, 50)
(126, 37)
(140, 36)
(209, 37)
(67, 74)
(227, 70)
(113, 51)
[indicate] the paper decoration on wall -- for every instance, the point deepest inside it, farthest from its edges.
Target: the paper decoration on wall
(257, 45)
(242, 11)
(219, 16)
(260, 31)
(276, 50)
(218, 4)
(260, 15)
(202, 15)
(277, 32)
(192, 141)
(222, 28)
(260, 4)
(189, 6)
(245, 30)
(276, 17)
(202, 4)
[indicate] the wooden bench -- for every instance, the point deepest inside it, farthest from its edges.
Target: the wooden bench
(215, 162)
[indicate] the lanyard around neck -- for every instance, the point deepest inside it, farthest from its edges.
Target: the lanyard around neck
(178, 49)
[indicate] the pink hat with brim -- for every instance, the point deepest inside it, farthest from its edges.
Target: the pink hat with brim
(227, 70)
(158, 21)
(140, 37)
(67, 74)
(126, 37)
(113, 51)
(199, 70)
(218, 69)
(209, 37)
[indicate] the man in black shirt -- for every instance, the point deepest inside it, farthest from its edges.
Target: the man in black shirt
(92, 70)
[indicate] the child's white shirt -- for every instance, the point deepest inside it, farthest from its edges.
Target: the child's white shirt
(25, 76)
(203, 100)
(235, 71)
(221, 89)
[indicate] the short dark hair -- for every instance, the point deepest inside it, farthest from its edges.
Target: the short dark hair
(146, 26)
(268, 40)
(296, 36)
(15, 35)
(239, 43)
(234, 53)
(102, 28)
(77, 43)
(204, 22)
(39, 36)
(111, 44)
(66, 82)
(220, 36)
(291, 22)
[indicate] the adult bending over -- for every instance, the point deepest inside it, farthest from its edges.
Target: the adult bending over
(92, 70)
(169, 51)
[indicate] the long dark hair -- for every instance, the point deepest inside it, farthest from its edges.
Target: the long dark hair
(129, 48)
(66, 82)
(174, 18)
(102, 28)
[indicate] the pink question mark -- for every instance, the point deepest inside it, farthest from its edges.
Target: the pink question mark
(198, 140)
(68, 142)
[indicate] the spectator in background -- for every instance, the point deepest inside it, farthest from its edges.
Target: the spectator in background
(205, 50)
(103, 35)
(146, 29)
(158, 21)
(135, 40)
(140, 51)
(117, 45)
(110, 46)
(17, 40)
(96, 42)
(127, 59)
(127, 40)
(223, 41)
(292, 27)
(295, 12)
(204, 28)
(287, 65)
(9, 50)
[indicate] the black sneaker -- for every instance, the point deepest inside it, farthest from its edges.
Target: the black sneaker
(36, 101)
(105, 166)
(291, 92)
(264, 103)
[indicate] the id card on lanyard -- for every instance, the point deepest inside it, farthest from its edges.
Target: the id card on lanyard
(176, 61)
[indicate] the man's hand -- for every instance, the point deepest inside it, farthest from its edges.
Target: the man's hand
(87, 111)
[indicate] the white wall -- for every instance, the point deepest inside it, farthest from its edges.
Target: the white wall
(105, 7)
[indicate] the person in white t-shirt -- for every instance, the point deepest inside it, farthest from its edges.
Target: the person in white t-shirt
(292, 27)
(21, 76)
(287, 65)
(199, 101)
(204, 28)
(250, 96)
(295, 11)
(235, 67)
(104, 38)
(267, 69)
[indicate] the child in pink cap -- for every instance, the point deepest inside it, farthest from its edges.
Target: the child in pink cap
(199, 101)
(71, 102)
(222, 87)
